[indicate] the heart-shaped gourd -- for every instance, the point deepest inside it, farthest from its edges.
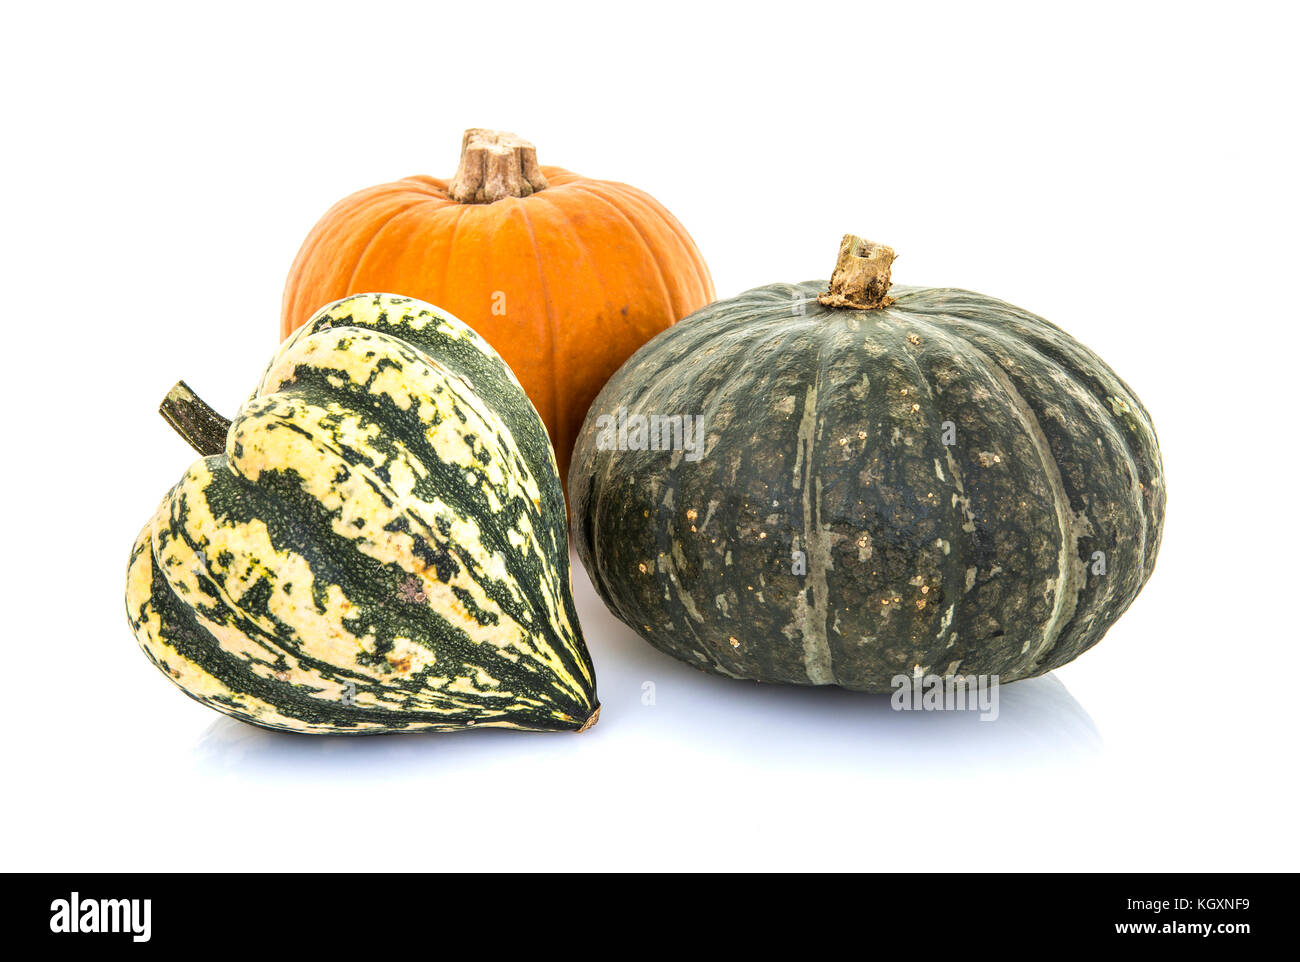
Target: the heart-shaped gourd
(376, 543)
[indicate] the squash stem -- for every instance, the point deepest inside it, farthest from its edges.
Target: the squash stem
(198, 424)
(495, 165)
(861, 278)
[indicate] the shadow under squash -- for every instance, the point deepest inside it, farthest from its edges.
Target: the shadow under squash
(648, 695)
(655, 707)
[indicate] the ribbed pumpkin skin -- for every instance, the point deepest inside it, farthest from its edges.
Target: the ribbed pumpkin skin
(382, 546)
(825, 436)
(565, 283)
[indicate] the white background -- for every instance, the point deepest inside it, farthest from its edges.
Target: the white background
(1127, 170)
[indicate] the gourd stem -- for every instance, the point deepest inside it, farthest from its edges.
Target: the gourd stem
(202, 427)
(495, 165)
(861, 278)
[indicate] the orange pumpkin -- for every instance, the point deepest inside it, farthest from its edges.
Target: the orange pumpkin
(565, 276)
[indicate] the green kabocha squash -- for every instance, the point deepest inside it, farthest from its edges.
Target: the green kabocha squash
(376, 543)
(844, 485)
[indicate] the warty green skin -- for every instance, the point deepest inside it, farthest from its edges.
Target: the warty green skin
(825, 432)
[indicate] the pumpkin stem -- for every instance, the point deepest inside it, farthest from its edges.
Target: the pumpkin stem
(861, 278)
(495, 165)
(202, 427)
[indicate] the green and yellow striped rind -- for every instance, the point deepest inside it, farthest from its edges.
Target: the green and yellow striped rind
(381, 547)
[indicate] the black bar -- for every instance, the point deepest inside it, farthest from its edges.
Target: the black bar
(316, 911)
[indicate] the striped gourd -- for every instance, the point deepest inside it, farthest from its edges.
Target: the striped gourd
(376, 543)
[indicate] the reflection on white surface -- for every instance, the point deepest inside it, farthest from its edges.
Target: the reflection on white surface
(776, 728)
(1039, 724)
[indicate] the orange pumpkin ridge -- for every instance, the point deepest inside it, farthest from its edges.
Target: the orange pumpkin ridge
(566, 276)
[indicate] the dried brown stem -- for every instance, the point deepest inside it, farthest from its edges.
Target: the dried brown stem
(495, 165)
(861, 278)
